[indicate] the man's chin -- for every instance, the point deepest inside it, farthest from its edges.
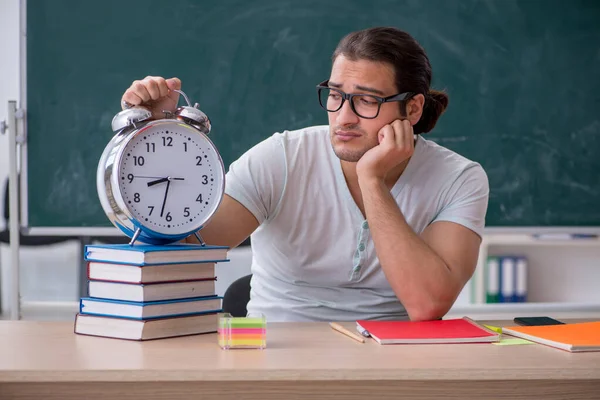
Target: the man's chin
(348, 155)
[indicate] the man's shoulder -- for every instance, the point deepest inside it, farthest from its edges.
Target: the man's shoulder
(445, 165)
(289, 140)
(302, 143)
(317, 132)
(435, 153)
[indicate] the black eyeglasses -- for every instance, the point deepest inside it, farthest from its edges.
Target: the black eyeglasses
(364, 105)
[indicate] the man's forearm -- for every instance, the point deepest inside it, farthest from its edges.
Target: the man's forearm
(419, 277)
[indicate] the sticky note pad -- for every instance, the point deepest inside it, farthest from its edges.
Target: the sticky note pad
(242, 332)
(512, 341)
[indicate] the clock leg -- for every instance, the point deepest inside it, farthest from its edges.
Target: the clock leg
(135, 236)
(199, 238)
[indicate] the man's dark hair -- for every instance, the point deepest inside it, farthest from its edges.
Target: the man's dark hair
(411, 66)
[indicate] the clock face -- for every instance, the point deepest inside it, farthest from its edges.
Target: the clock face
(170, 178)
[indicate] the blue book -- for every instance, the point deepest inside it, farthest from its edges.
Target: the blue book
(149, 310)
(146, 254)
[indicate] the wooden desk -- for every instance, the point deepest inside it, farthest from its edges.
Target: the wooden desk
(46, 360)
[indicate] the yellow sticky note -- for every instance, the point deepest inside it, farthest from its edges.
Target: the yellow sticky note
(493, 328)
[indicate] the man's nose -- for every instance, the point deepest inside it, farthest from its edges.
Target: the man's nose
(346, 115)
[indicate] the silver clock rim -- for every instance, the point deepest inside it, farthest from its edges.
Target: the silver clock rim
(112, 201)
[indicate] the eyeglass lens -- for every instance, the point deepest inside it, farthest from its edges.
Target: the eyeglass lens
(364, 105)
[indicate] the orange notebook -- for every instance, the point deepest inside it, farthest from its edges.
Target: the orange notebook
(583, 336)
(460, 330)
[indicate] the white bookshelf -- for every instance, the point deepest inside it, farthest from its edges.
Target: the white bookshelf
(578, 297)
(568, 269)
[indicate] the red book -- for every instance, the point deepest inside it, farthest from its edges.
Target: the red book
(461, 330)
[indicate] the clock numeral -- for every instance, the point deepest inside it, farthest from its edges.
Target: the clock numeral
(130, 177)
(186, 212)
(150, 147)
(167, 141)
(138, 160)
(136, 197)
(199, 160)
(151, 209)
(204, 179)
(199, 198)
(185, 146)
(168, 217)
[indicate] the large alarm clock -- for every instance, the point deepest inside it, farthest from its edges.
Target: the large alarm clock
(160, 181)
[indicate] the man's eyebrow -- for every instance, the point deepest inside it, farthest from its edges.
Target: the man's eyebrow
(370, 89)
(359, 87)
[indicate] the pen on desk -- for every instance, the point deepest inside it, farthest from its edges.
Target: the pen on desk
(346, 332)
(363, 331)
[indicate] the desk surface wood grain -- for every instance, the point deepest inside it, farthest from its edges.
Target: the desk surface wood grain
(302, 359)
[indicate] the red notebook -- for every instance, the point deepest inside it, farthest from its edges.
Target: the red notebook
(461, 330)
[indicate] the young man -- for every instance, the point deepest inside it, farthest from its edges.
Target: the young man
(361, 219)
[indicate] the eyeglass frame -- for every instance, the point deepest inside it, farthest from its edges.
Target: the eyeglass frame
(350, 96)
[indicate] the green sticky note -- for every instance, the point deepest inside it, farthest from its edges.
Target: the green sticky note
(242, 322)
(512, 341)
(247, 323)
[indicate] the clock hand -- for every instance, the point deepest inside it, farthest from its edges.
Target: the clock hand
(156, 182)
(162, 210)
(161, 180)
(147, 177)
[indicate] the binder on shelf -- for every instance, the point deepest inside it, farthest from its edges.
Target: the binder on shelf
(521, 280)
(492, 290)
(507, 280)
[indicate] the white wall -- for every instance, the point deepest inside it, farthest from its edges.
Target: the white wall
(9, 70)
(9, 90)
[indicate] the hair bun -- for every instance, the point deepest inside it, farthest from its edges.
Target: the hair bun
(435, 105)
(439, 97)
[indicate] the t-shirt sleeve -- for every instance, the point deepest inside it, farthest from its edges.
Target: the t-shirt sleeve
(468, 200)
(257, 178)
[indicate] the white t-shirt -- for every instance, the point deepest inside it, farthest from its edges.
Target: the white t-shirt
(313, 257)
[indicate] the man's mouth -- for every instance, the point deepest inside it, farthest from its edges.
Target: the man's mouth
(346, 135)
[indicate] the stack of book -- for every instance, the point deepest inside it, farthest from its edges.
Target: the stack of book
(144, 292)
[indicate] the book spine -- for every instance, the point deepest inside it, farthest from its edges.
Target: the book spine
(214, 278)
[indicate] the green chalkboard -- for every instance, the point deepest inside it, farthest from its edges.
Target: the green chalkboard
(523, 79)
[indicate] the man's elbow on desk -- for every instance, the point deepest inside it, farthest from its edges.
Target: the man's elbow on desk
(429, 307)
(430, 296)
(428, 312)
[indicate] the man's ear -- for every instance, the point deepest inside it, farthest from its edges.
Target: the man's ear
(414, 109)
